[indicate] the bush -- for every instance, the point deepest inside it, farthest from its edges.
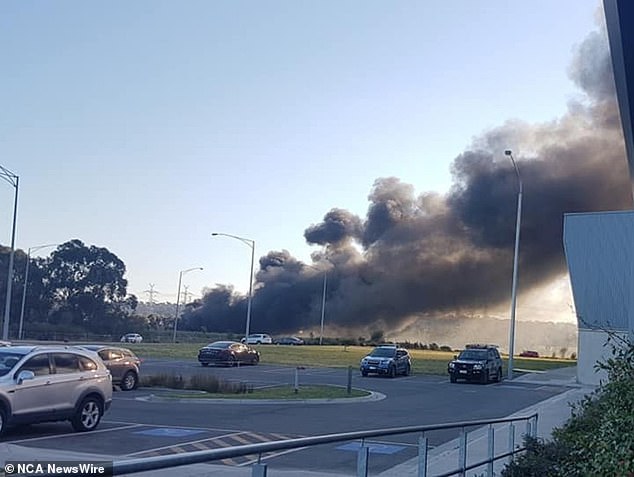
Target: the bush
(541, 459)
(598, 439)
(197, 382)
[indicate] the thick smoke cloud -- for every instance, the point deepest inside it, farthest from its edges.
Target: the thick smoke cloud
(338, 225)
(441, 254)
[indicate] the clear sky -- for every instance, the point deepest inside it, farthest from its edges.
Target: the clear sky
(145, 126)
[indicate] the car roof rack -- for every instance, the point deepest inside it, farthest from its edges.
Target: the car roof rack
(480, 346)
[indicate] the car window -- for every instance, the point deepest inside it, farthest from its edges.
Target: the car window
(7, 362)
(115, 354)
(65, 363)
(87, 364)
(382, 352)
(400, 353)
(38, 364)
(473, 354)
(104, 354)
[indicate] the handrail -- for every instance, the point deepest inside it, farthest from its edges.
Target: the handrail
(160, 462)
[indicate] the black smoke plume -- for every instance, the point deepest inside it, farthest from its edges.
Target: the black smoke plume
(415, 255)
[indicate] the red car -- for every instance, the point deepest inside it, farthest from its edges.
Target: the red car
(529, 354)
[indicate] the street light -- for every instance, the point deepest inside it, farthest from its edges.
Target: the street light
(26, 282)
(178, 297)
(250, 243)
(14, 180)
(323, 303)
(518, 221)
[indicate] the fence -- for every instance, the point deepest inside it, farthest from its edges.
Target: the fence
(259, 469)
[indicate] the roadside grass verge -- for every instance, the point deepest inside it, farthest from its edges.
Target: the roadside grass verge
(196, 382)
(278, 392)
(423, 361)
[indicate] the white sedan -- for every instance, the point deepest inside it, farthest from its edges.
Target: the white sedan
(131, 338)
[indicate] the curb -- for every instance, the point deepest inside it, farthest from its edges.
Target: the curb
(374, 396)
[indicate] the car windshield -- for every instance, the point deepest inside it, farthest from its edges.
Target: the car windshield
(219, 344)
(473, 354)
(383, 352)
(7, 361)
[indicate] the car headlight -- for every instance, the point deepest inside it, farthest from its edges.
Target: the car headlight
(477, 366)
(385, 363)
(452, 365)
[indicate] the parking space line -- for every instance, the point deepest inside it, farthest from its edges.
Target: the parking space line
(195, 443)
(71, 434)
(213, 429)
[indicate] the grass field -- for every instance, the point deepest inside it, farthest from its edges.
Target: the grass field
(423, 361)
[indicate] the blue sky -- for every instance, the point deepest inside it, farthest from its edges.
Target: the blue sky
(145, 126)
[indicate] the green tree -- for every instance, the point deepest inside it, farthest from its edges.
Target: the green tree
(87, 288)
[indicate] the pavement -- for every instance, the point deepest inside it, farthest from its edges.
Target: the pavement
(553, 412)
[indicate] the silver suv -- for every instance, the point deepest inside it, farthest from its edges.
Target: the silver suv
(53, 383)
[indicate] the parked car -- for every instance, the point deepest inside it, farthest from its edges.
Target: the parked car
(5, 343)
(229, 353)
(476, 363)
(529, 354)
(53, 383)
(123, 364)
(289, 340)
(131, 338)
(257, 338)
(389, 360)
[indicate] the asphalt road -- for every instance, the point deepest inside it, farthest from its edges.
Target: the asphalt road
(136, 427)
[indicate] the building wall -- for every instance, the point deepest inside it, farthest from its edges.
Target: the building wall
(619, 18)
(599, 249)
(592, 348)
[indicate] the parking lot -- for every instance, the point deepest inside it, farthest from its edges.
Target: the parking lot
(139, 424)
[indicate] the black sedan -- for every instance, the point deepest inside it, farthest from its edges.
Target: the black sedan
(228, 353)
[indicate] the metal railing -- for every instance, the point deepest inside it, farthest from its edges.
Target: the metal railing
(259, 469)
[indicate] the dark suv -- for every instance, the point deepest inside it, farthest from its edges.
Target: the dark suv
(123, 364)
(476, 363)
(389, 360)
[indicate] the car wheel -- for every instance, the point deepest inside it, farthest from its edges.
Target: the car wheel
(452, 378)
(498, 376)
(255, 360)
(130, 381)
(204, 364)
(258, 342)
(364, 373)
(408, 370)
(485, 377)
(233, 361)
(88, 415)
(392, 372)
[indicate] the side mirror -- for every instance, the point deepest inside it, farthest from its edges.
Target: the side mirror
(24, 375)
(455, 356)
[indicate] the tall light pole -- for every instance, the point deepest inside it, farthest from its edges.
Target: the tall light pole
(323, 304)
(250, 243)
(26, 282)
(14, 180)
(178, 297)
(518, 222)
